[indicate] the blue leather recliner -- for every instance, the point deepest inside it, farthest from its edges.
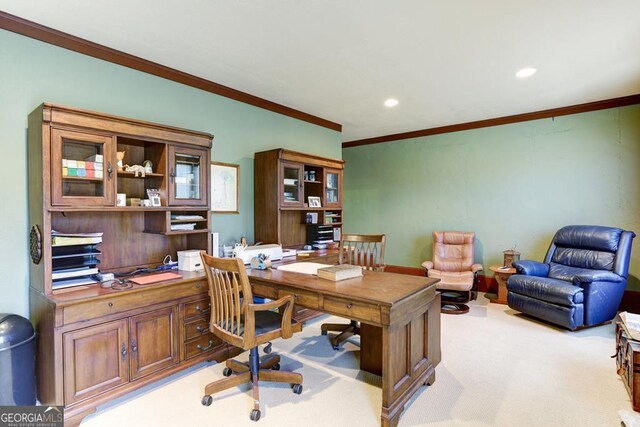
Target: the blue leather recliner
(581, 281)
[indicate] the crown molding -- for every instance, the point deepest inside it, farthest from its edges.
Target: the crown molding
(525, 117)
(36, 31)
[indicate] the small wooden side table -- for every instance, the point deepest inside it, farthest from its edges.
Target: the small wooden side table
(502, 275)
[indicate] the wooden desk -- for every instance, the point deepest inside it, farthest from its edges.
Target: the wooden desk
(400, 324)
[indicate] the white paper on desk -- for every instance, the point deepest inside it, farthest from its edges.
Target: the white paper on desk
(303, 267)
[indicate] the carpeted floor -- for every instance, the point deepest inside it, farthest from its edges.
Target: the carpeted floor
(498, 368)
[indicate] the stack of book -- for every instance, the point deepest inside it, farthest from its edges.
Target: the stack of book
(340, 272)
(74, 258)
(183, 226)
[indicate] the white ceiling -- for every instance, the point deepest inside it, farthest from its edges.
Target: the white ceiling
(447, 62)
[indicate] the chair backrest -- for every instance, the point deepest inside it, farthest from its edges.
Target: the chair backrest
(591, 247)
(366, 250)
(230, 293)
(453, 250)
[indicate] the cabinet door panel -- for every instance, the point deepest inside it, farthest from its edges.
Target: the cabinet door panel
(153, 341)
(333, 188)
(291, 188)
(82, 169)
(95, 360)
(188, 176)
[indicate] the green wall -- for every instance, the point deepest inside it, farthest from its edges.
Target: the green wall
(513, 185)
(33, 72)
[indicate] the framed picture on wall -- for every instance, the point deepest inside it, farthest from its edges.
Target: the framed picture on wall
(225, 188)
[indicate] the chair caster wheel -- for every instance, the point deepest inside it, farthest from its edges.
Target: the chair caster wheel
(207, 400)
(297, 388)
(267, 349)
(227, 372)
(336, 347)
(255, 415)
(276, 367)
(323, 332)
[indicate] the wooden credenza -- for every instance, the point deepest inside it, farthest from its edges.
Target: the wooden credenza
(95, 344)
(628, 363)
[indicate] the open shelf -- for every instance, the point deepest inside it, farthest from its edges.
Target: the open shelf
(82, 178)
(123, 174)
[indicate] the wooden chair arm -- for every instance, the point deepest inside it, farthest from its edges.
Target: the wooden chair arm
(286, 301)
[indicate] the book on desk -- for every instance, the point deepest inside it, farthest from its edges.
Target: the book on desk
(340, 272)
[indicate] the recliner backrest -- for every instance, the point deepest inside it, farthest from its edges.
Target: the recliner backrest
(585, 246)
(453, 250)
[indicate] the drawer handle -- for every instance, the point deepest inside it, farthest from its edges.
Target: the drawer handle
(203, 310)
(201, 330)
(134, 346)
(349, 306)
(110, 304)
(199, 347)
(197, 285)
(123, 351)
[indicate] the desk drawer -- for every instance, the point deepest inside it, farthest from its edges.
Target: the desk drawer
(197, 308)
(305, 299)
(196, 328)
(353, 309)
(264, 291)
(205, 344)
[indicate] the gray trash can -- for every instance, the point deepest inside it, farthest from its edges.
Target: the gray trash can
(17, 361)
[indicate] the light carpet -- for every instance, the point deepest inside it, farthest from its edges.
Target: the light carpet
(498, 368)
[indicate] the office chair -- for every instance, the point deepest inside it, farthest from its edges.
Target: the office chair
(366, 250)
(453, 265)
(236, 320)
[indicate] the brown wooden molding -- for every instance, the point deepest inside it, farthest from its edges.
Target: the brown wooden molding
(67, 41)
(536, 115)
(413, 271)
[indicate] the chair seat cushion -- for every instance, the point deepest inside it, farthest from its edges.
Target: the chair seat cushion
(546, 289)
(453, 280)
(266, 321)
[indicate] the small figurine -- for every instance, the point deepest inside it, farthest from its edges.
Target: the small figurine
(148, 166)
(261, 262)
(120, 157)
(136, 169)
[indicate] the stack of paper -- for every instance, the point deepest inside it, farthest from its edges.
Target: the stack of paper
(185, 226)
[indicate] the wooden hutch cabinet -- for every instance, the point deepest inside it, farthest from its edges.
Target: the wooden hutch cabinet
(96, 343)
(284, 181)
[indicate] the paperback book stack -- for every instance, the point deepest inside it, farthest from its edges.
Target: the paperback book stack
(74, 259)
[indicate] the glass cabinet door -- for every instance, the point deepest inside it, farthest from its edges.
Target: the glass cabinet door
(82, 170)
(291, 185)
(333, 188)
(188, 176)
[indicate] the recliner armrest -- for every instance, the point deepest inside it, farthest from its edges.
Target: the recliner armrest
(428, 265)
(597, 276)
(531, 268)
(476, 267)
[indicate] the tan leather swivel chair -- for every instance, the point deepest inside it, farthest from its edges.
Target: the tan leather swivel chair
(453, 265)
(366, 250)
(239, 322)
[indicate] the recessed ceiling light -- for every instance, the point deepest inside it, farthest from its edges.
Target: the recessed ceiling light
(391, 102)
(526, 72)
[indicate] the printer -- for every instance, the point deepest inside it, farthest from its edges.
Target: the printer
(272, 251)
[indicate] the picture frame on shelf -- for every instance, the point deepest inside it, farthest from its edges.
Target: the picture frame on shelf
(314, 202)
(154, 196)
(225, 188)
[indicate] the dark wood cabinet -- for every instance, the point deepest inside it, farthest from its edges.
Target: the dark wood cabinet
(72, 182)
(628, 363)
(292, 189)
(153, 341)
(188, 172)
(96, 343)
(96, 360)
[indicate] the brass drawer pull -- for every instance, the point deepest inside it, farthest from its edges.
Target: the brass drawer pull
(207, 348)
(349, 306)
(201, 330)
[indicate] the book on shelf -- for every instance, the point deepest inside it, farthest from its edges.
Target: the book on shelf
(340, 272)
(73, 272)
(186, 217)
(58, 233)
(185, 226)
(631, 324)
